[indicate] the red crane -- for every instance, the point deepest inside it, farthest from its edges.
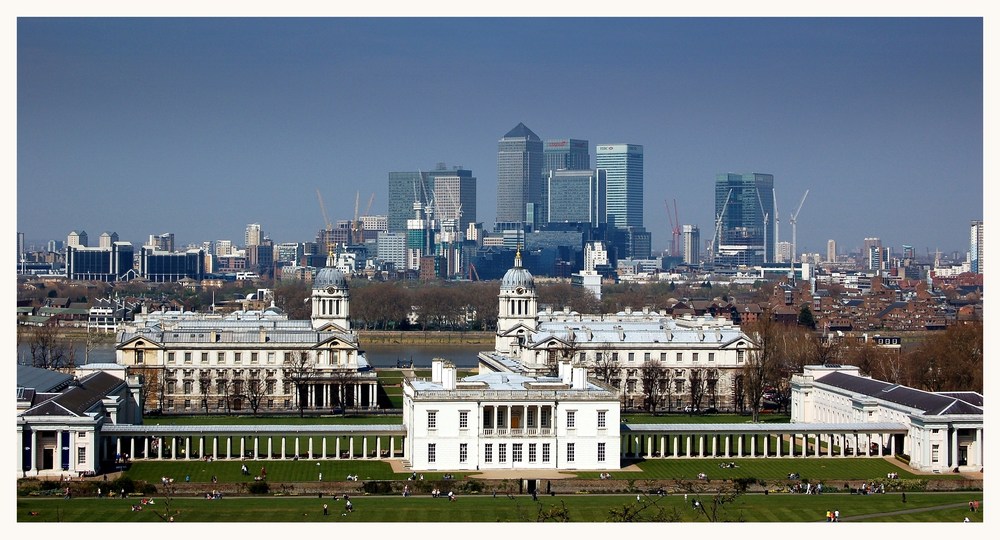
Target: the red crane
(675, 229)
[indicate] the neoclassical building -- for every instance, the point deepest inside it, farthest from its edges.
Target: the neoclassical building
(253, 360)
(939, 431)
(60, 418)
(496, 421)
(690, 349)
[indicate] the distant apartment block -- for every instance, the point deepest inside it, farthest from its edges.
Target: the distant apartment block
(976, 247)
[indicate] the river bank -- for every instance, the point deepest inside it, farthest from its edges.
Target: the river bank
(418, 337)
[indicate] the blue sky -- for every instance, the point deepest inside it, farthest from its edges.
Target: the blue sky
(200, 126)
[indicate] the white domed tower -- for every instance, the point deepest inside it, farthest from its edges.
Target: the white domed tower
(331, 299)
(518, 316)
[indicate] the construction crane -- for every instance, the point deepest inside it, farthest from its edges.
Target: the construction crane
(358, 228)
(675, 229)
(326, 220)
(718, 227)
(792, 221)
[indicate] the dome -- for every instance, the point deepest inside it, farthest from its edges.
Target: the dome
(518, 276)
(329, 277)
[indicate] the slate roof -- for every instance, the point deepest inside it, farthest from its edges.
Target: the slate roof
(79, 399)
(929, 403)
(42, 380)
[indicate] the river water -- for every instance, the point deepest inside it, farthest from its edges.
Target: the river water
(379, 355)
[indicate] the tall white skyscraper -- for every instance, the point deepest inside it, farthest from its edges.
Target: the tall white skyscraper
(831, 251)
(691, 240)
(624, 166)
(976, 247)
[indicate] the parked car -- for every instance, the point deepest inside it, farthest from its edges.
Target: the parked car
(711, 410)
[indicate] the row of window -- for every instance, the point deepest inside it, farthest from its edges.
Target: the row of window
(237, 404)
(463, 419)
(221, 357)
(516, 451)
(663, 356)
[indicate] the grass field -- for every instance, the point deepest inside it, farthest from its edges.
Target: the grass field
(919, 507)
(833, 472)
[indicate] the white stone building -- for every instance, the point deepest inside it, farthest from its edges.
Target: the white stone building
(943, 430)
(253, 359)
(60, 417)
(495, 421)
(533, 342)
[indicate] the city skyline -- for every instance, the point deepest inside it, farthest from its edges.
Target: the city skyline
(200, 127)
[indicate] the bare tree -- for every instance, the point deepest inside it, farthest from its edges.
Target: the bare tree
(254, 391)
(300, 371)
(696, 384)
(48, 349)
(653, 377)
(607, 367)
(204, 387)
(761, 366)
(152, 385)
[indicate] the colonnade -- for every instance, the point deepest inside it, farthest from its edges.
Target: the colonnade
(691, 443)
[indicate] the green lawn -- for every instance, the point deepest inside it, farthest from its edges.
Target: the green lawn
(485, 508)
(273, 420)
(832, 472)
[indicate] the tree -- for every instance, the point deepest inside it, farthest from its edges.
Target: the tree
(806, 317)
(653, 378)
(299, 370)
(205, 387)
(345, 379)
(607, 367)
(292, 297)
(152, 385)
(48, 350)
(950, 360)
(254, 391)
(696, 384)
(761, 366)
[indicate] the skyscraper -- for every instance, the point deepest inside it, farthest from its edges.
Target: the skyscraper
(575, 196)
(976, 247)
(623, 163)
(405, 188)
(743, 203)
(163, 242)
(519, 174)
(573, 154)
(692, 244)
(409, 187)
(455, 197)
(831, 251)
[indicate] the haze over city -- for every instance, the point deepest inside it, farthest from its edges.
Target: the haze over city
(201, 126)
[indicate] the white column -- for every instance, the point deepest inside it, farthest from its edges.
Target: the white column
(256, 447)
(677, 443)
(324, 447)
(159, 448)
(282, 447)
(649, 446)
(816, 450)
(687, 443)
(337, 448)
(215, 447)
(201, 447)
(131, 448)
(145, 447)
(310, 439)
(701, 445)
(57, 458)
(979, 447)
(269, 440)
(739, 445)
(350, 448)
(378, 447)
(953, 462)
(729, 440)
(229, 447)
(777, 444)
(296, 446)
(243, 446)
